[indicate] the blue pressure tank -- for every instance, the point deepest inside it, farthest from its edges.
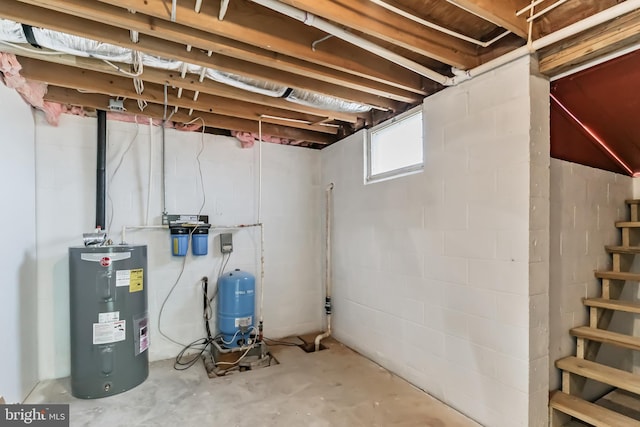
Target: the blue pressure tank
(236, 307)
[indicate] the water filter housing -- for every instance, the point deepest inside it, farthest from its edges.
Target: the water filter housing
(236, 307)
(108, 319)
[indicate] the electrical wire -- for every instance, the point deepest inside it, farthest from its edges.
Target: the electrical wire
(204, 194)
(115, 171)
(237, 361)
(203, 341)
(164, 302)
(118, 68)
(224, 266)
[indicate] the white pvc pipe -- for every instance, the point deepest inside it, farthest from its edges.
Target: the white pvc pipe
(349, 37)
(437, 27)
(138, 227)
(260, 222)
(174, 6)
(545, 10)
(568, 31)
(473, 12)
(146, 218)
(571, 30)
(224, 4)
(532, 5)
(213, 227)
(327, 271)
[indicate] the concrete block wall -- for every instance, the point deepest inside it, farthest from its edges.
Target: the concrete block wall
(18, 293)
(66, 208)
(585, 203)
(441, 276)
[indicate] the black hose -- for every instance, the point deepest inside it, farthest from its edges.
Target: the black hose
(101, 171)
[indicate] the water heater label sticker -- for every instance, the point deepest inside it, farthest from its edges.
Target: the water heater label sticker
(137, 280)
(144, 338)
(243, 322)
(112, 316)
(106, 333)
(141, 338)
(123, 277)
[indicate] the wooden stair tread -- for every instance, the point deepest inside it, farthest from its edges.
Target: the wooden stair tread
(613, 304)
(618, 275)
(601, 373)
(589, 412)
(628, 224)
(608, 337)
(623, 249)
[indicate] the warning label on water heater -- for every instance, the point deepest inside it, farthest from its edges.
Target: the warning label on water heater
(109, 332)
(134, 279)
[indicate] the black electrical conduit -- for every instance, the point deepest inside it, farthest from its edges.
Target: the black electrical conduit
(101, 171)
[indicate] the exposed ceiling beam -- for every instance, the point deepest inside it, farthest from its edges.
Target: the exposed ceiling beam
(378, 22)
(500, 12)
(36, 16)
(255, 25)
(101, 102)
(191, 83)
(95, 82)
(592, 44)
(178, 33)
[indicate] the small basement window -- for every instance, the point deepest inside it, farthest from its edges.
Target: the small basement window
(395, 148)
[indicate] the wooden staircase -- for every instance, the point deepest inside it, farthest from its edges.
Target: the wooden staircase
(566, 404)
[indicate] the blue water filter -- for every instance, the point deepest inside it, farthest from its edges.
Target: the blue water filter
(236, 307)
(200, 241)
(179, 241)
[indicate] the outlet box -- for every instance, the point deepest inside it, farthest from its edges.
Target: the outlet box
(117, 105)
(226, 243)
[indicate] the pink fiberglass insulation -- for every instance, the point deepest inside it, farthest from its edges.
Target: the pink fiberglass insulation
(143, 120)
(247, 139)
(32, 92)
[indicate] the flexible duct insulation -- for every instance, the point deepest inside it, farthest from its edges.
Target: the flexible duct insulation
(11, 31)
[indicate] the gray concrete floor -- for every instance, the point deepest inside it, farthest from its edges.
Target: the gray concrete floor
(333, 387)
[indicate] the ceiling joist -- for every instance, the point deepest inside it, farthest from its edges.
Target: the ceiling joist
(265, 46)
(36, 16)
(94, 82)
(156, 111)
(249, 23)
(182, 34)
(502, 13)
(592, 44)
(191, 83)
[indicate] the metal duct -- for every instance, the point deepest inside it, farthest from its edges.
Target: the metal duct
(326, 102)
(11, 31)
(246, 83)
(101, 171)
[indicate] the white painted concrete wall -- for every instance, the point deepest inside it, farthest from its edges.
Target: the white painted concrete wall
(437, 275)
(636, 187)
(18, 295)
(585, 203)
(66, 204)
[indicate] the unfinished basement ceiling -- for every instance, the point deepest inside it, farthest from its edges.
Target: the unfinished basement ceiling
(318, 88)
